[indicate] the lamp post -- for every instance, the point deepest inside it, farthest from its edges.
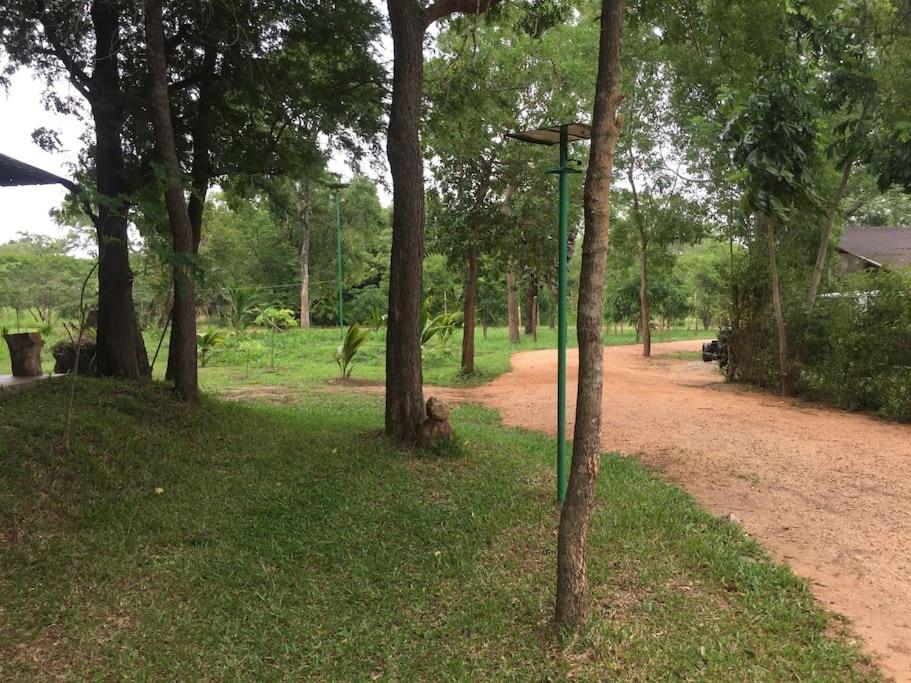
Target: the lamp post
(338, 255)
(562, 135)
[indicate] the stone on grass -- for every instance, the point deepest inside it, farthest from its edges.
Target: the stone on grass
(436, 428)
(437, 409)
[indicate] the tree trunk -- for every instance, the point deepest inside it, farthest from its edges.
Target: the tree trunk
(121, 350)
(200, 175)
(183, 326)
(470, 306)
(25, 353)
(784, 362)
(823, 250)
(512, 307)
(645, 313)
(572, 579)
(531, 300)
(404, 393)
(304, 210)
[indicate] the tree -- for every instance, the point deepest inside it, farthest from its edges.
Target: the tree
(775, 138)
(404, 393)
(183, 325)
(87, 44)
(256, 86)
(575, 517)
(658, 213)
(39, 277)
(253, 88)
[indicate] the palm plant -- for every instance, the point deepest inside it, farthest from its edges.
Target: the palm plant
(354, 339)
(442, 326)
(206, 342)
(276, 320)
(242, 305)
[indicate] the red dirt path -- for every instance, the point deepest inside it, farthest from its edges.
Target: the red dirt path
(826, 491)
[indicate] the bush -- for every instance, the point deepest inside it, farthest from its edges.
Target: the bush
(859, 346)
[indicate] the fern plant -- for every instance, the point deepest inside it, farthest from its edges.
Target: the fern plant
(351, 344)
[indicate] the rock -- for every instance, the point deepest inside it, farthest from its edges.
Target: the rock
(432, 432)
(437, 409)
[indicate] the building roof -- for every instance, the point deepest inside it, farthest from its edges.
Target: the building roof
(880, 246)
(14, 172)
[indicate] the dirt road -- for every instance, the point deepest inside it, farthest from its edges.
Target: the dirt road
(825, 491)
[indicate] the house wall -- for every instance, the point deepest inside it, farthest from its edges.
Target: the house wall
(852, 264)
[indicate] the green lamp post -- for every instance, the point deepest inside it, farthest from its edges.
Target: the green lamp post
(338, 255)
(561, 135)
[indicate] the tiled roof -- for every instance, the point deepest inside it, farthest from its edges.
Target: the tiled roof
(882, 246)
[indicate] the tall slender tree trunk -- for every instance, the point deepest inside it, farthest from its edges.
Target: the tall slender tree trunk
(512, 307)
(531, 300)
(823, 249)
(200, 173)
(784, 361)
(121, 350)
(470, 304)
(184, 317)
(404, 393)
(572, 540)
(304, 211)
(644, 303)
(469, 311)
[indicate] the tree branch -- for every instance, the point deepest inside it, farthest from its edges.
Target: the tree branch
(80, 79)
(443, 8)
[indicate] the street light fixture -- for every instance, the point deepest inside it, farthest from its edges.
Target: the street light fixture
(336, 187)
(562, 134)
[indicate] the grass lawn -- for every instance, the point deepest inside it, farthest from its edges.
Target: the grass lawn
(259, 542)
(304, 357)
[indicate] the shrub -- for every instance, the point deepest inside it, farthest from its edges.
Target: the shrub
(206, 342)
(354, 339)
(858, 345)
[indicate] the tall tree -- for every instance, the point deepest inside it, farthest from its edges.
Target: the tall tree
(86, 44)
(404, 393)
(183, 338)
(775, 136)
(575, 517)
(257, 85)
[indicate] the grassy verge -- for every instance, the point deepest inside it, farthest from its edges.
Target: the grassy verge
(293, 541)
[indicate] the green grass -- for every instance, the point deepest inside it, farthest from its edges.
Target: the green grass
(303, 357)
(294, 542)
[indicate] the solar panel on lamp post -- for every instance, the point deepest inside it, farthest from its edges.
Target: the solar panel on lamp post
(561, 135)
(336, 187)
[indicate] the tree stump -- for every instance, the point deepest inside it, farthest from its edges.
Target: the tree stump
(25, 353)
(64, 353)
